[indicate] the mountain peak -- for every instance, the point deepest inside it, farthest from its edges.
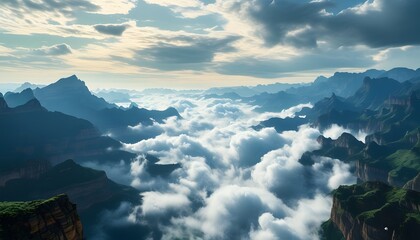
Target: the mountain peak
(31, 105)
(72, 79)
(68, 84)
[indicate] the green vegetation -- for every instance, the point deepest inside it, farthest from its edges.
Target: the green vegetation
(329, 231)
(17, 209)
(380, 205)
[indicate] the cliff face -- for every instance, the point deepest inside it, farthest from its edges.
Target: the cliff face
(375, 211)
(414, 184)
(55, 218)
(31, 169)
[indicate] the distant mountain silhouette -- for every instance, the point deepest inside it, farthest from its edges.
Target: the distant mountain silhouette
(16, 99)
(401, 74)
(27, 85)
(274, 102)
(341, 83)
(374, 92)
(30, 132)
(248, 91)
(71, 96)
(114, 96)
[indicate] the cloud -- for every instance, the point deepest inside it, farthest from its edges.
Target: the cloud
(311, 60)
(335, 131)
(302, 223)
(376, 23)
(55, 50)
(111, 29)
(227, 168)
(185, 8)
(46, 5)
(159, 204)
(193, 54)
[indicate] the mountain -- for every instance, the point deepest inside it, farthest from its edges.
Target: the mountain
(16, 99)
(114, 96)
(53, 218)
(346, 84)
(71, 96)
(344, 148)
(30, 132)
(7, 87)
(401, 74)
(241, 91)
(281, 124)
(341, 83)
(274, 102)
(328, 104)
(374, 92)
(27, 85)
(249, 91)
(374, 211)
(90, 189)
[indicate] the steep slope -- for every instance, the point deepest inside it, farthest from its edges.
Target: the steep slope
(71, 96)
(375, 91)
(374, 210)
(30, 132)
(343, 148)
(17, 99)
(90, 189)
(54, 218)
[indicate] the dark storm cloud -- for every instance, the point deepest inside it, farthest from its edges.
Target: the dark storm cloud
(56, 50)
(197, 55)
(303, 23)
(52, 5)
(111, 29)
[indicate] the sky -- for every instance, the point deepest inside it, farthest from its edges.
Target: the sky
(203, 43)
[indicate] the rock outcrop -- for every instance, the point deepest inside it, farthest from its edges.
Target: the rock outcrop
(375, 211)
(414, 184)
(55, 218)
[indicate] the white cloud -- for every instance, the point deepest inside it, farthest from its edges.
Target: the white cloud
(227, 168)
(114, 6)
(160, 204)
(335, 131)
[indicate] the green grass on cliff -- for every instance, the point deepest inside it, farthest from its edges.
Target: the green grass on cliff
(380, 205)
(16, 209)
(329, 231)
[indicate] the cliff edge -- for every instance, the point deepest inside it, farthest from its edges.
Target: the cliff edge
(375, 211)
(54, 218)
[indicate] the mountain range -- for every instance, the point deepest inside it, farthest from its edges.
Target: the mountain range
(45, 126)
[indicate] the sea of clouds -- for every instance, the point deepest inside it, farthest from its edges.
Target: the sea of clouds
(234, 182)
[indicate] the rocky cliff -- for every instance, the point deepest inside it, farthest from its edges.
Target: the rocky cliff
(414, 184)
(375, 211)
(55, 218)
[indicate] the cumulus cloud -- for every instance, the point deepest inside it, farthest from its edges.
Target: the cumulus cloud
(55, 50)
(158, 204)
(227, 168)
(335, 131)
(306, 23)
